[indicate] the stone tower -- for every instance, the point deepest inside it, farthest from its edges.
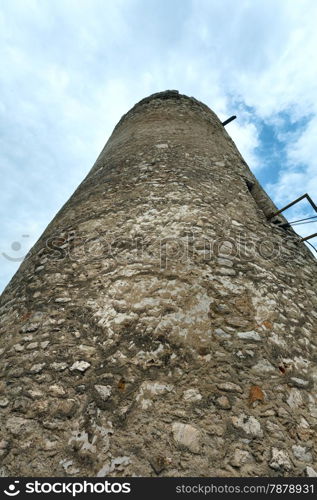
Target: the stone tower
(162, 324)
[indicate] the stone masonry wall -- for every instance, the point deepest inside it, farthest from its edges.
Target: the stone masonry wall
(162, 325)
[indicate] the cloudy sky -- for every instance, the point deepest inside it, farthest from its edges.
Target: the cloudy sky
(71, 68)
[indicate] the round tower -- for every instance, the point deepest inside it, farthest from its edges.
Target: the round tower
(162, 325)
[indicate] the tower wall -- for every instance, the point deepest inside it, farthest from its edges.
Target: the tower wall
(162, 325)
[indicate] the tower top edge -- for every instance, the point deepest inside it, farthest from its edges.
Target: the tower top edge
(164, 96)
(170, 94)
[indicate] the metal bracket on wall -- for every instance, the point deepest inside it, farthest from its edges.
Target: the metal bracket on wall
(309, 237)
(229, 120)
(290, 205)
(293, 203)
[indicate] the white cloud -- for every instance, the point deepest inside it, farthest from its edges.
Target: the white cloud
(246, 136)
